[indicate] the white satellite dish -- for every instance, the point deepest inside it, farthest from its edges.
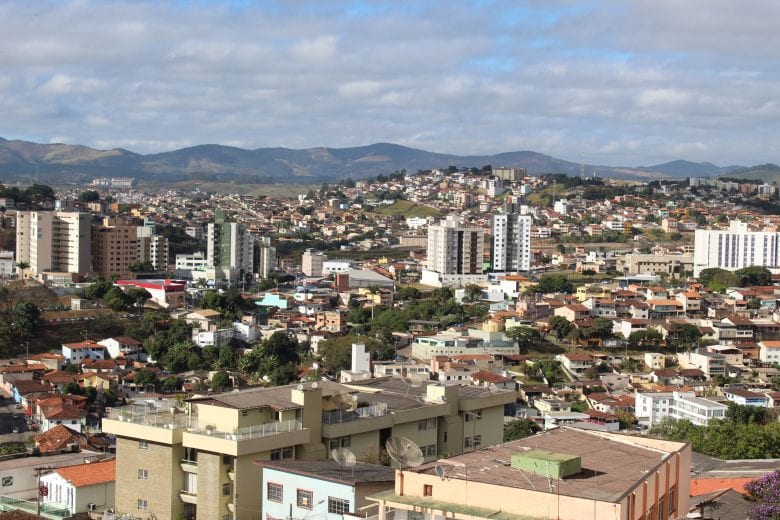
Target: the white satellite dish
(404, 451)
(415, 381)
(440, 471)
(314, 385)
(492, 388)
(344, 457)
(299, 387)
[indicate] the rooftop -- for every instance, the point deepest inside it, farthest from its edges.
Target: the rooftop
(89, 474)
(360, 473)
(611, 463)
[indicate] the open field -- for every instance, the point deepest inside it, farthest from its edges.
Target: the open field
(407, 208)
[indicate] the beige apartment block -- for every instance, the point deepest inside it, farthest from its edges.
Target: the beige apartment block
(205, 454)
(565, 474)
(53, 241)
(114, 248)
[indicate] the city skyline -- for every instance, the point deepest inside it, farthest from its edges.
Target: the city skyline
(613, 83)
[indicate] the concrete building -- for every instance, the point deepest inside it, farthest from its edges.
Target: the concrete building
(54, 241)
(7, 264)
(266, 257)
(229, 249)
(152, 248)
(673, 265)
(711, 363)
(511, 242)
(734, 248)
(769, 351)
(455, 254)
(509, 174)
(566, 473)
(114, 248)
(201, 463)
(165, 293)
(321, 488)
(312, 262)
(652, 407)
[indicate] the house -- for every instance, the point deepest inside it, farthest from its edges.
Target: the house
(492, 380)
(664, 308)
(100, 382)
(746, 397)
(59, 410)
(81, 488)
(566, 473)
(769, 351)
(628, 326)
(323, 488)
(203, 318)
(573, 312)
(711, 363)
(575, 363)
(122, 346)
(75, 353)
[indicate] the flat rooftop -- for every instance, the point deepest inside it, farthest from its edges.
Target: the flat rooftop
(360, 473)
(611, 464)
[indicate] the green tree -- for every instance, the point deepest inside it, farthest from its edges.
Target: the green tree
(523, 336)
(645, 339)
(227, 358)
(26, 319)
(554, 283)
(686, 336)
(753, 275)
(146, 379)
(602, 328)
(171, 384)
(473, 293)
(89, 196)
(717, 279)
(97, 289)
(520, 429)
(284, 375)
(560, 327)
(220, 381)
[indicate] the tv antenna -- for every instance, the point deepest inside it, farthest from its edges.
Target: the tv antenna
(404, 451)
(344, 457)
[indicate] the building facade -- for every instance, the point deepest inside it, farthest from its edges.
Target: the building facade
(735, 248)
(511, 242)
(230, 248)
(455, 252)
(54, 241)
(114, 248)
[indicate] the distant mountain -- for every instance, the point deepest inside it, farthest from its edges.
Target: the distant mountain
(69, 163)
(764, 172)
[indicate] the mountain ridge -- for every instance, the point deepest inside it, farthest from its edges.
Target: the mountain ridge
(20, 158)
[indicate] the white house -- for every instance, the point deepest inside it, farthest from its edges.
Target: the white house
(81, 488)
(320, 488)
(122, 346)
(75, 353)
(769, 351)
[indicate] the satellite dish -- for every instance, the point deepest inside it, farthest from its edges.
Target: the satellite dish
(300, 387)
(350, 402)
(404, 451)
(440, 471)
(343, 456)
(314, 385)
(492, 388)
(415, 381)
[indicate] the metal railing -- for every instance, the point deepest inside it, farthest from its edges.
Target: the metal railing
(252, 432)
(47, 509)
(139, 415)
(341, 416)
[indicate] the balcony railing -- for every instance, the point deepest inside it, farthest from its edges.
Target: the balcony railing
(252, 432)
(141, 415)
(341, 416)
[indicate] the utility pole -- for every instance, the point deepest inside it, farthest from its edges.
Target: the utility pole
(26, 345)
(41, 491)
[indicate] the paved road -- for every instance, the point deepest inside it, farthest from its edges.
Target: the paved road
(8, 422)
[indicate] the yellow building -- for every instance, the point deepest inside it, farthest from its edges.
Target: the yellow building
(585, 292)
(200, 463)
(565, 474)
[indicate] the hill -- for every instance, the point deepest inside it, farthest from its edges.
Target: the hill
(768, 173)
(218, 163)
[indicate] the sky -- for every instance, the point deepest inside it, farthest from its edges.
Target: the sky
(614, 82)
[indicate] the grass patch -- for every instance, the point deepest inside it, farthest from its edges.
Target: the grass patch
(408, 208)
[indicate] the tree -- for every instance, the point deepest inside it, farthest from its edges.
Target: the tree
(560, 326)
(473, 293)
(718, 279)
(520, 429)
(89, 196)
(26, 319)
(146, 379)
(171, 384)
(284, 375)
(554, 283)
(408, 293)
(765, 493)
(550, 369)
(97, 289)
(220, 381)
(686, 336)
(602, 328)
(753, 275)
(524, 336)
(645, 339)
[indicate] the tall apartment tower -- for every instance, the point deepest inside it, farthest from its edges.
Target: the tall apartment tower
(454, 249)
(114, 248)
(229, 248)
(152, 248)
(54, 241)
(734, 248)
(266, 257)
(511, 242)
(312, 262)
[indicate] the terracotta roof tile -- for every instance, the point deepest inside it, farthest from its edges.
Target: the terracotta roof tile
(89, 474)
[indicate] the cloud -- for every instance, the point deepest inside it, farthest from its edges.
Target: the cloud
(625, 83)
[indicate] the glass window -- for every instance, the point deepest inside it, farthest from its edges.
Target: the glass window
(143, 445)
(143, 474)
(227, 489)
(338, 506)
(274, 492)
(142, 504)
(304, 498)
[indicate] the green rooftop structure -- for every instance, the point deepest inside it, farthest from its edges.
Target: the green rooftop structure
(547, 463)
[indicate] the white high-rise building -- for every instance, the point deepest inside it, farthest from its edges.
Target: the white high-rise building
(511, 242)
(54, 241)
(312, 262)
(266, 257)
(453, 249)
(734, 248)
(229, 249)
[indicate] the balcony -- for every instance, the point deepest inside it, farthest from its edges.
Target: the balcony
(340, 423)
(188, 497)
(140, 422)
(251, 439)
(190, 466)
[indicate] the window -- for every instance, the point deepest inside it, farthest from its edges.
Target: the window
(191, 455)
(283, 453)
(227, 460)
(473, 415)
(227, 489)
(143, 474)
(672, 499)
(143, 505)
(340, 442)
(304, 498)
(274, 492)
(427, 424)
(338, 506)
(143, 445)
(429, 450)
(427, 490)
(473, 442)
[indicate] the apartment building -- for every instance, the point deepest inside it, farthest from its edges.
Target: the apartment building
(152, 248)
(455, 254)
(511, 242)
(229, 248)
(312, 262)
(652, 407)
(734, 248)
(114, 248)
(201, 462)
(54, 241)
(566, 473)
